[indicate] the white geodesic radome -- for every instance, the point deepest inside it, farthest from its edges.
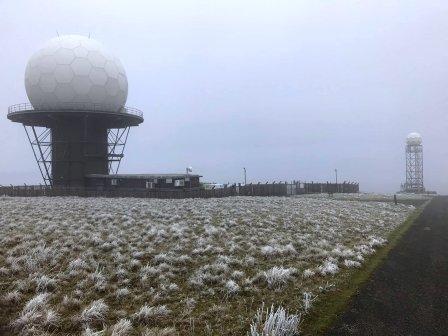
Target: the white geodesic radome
(75, 72)
(414, 139)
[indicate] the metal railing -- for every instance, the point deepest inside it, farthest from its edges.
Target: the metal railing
(134, 111)
(78, 107)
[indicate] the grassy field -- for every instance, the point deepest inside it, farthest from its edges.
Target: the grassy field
(412, 199)
(177, 267)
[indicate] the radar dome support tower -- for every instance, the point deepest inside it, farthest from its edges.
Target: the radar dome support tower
(77, 122)
(414, 164)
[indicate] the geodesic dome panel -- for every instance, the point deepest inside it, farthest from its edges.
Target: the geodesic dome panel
(414, 139)
(74, 72)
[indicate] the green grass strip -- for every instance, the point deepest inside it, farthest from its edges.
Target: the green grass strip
(332, 304)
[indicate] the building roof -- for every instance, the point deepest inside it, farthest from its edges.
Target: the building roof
(140, 176)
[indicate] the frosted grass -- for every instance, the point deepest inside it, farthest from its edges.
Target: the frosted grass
(150, 266)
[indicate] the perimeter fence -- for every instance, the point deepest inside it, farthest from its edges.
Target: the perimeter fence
(252, 189)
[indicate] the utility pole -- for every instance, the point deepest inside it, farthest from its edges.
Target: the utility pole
(336, 173)
(245, 181)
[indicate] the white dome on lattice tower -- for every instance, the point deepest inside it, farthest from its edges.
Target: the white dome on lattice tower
(75, 72)
(414, 138)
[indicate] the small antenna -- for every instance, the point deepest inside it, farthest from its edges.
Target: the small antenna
(57, 33)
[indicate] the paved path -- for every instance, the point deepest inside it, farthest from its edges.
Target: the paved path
(408, 293)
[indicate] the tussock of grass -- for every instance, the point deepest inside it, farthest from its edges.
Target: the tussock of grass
(274, 322)
(95, 313)
(122, 328)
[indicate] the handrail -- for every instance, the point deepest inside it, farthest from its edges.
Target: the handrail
(90, 107)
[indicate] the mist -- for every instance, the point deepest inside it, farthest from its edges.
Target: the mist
(290, 90)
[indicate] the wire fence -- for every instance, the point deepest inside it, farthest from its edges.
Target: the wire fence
(258, 189)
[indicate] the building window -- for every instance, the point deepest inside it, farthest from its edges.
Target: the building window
(114, 182)
(154, 180)
(168, 180)
(187, 179)
(179, 183)
(149, 185)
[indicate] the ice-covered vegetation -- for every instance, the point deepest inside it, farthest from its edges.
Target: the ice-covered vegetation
(373, 197)
(274, 322)
(178, 267)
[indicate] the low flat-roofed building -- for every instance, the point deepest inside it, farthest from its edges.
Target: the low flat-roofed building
(143, 181)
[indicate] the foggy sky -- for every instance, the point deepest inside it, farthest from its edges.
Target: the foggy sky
(287, 89)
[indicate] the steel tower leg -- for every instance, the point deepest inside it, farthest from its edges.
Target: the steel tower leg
(117, 138)
(40, 142)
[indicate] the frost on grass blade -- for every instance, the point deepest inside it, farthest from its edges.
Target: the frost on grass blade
(12, 297)
(328, 267)
(308, 273)
(274, 322)
(148, 314)
(307, 301)
(122, 328)
(351, 263)
(95, 313)
(168, 331)
(278, 276)
(232, 287)
(36, 315)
